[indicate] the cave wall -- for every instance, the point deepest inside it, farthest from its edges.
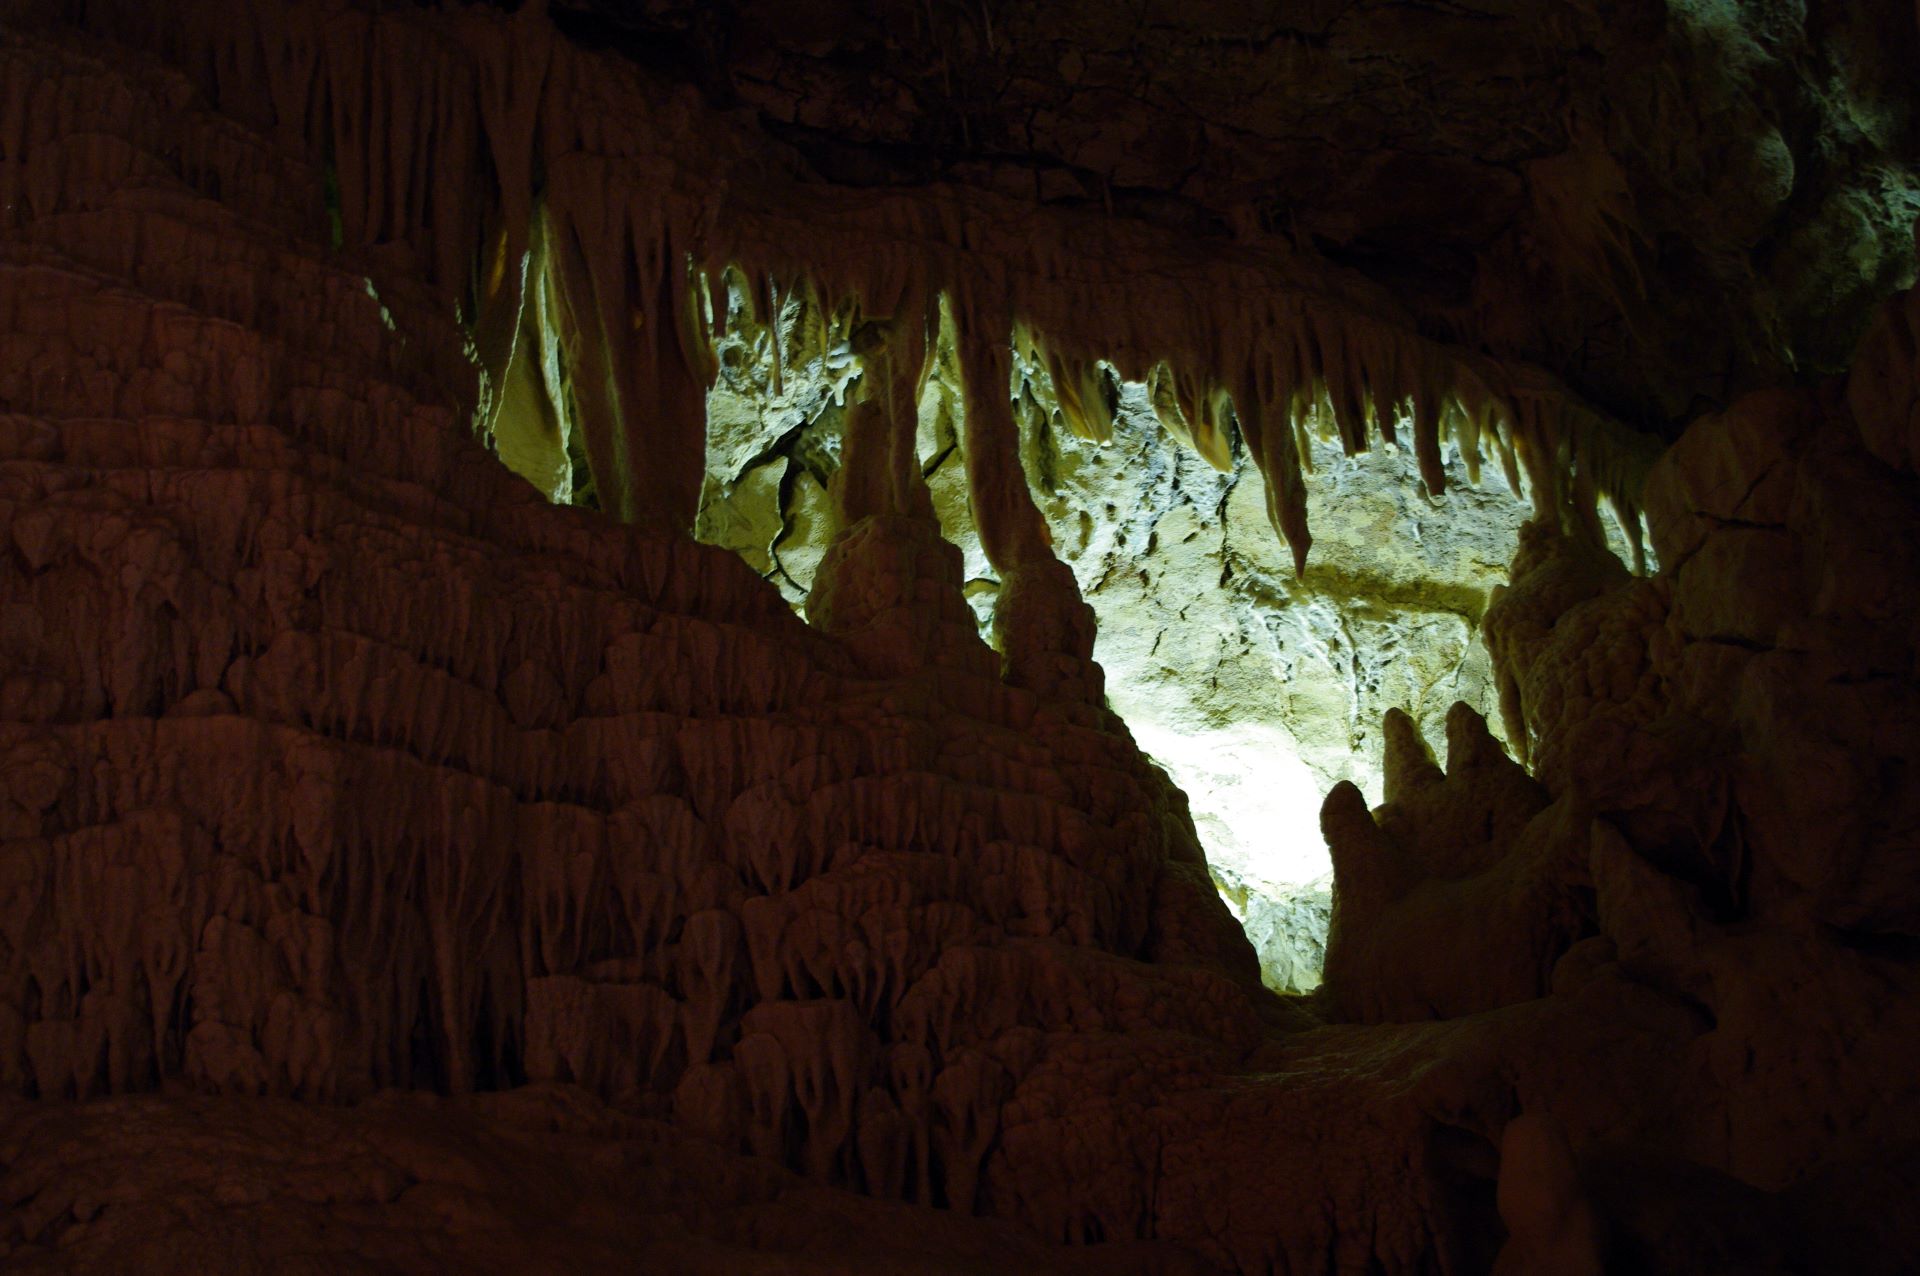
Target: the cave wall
(1255, 688)
(339, 761)
(287, 620)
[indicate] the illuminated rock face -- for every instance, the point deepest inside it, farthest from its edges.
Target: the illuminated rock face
(336, 760)
(1256, 691)
(1259, 691)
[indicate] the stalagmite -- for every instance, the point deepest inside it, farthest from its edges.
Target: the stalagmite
(1409, 764)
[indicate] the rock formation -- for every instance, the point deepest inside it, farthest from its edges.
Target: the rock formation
(1256, 695)
(405, 868)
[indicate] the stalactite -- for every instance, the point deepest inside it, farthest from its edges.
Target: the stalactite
(905, 365)
(1081, 388)
(1511, 445)
(1426, 404)
(1012, 530)
(1163, 394)
(1265, 416)
(1464, 419)
(291, 49)
(593, 379)
(1385, 389)
(1189, 413)
(397, 93)
(347, 37)
(692, 328)
(775, 334)
(447, 187)
(512, 60)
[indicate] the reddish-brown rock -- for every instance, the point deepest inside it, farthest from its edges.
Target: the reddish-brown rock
(399, 871)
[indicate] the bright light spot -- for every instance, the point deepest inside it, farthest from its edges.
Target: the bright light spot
(1255, 803)
(1256, 806)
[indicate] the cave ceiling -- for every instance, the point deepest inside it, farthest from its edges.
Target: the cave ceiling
(1666, 202)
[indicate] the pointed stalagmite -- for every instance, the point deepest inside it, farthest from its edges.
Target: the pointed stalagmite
(1371, 870)
(1408, 765)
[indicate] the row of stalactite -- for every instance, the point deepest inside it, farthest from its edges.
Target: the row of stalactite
(584, 222)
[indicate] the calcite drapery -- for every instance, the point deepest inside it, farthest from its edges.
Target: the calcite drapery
(642, 194)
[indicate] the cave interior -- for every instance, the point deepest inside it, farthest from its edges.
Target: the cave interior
(952, 637)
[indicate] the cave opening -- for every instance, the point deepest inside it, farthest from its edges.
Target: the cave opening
(1256, 688)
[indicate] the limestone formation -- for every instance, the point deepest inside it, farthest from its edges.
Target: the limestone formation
(402, 867)
(1257, 695)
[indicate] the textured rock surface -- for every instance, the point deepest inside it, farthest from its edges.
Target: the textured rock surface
(402, 869)
(1256, 690)
(1666, 201)
(542, 1179)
